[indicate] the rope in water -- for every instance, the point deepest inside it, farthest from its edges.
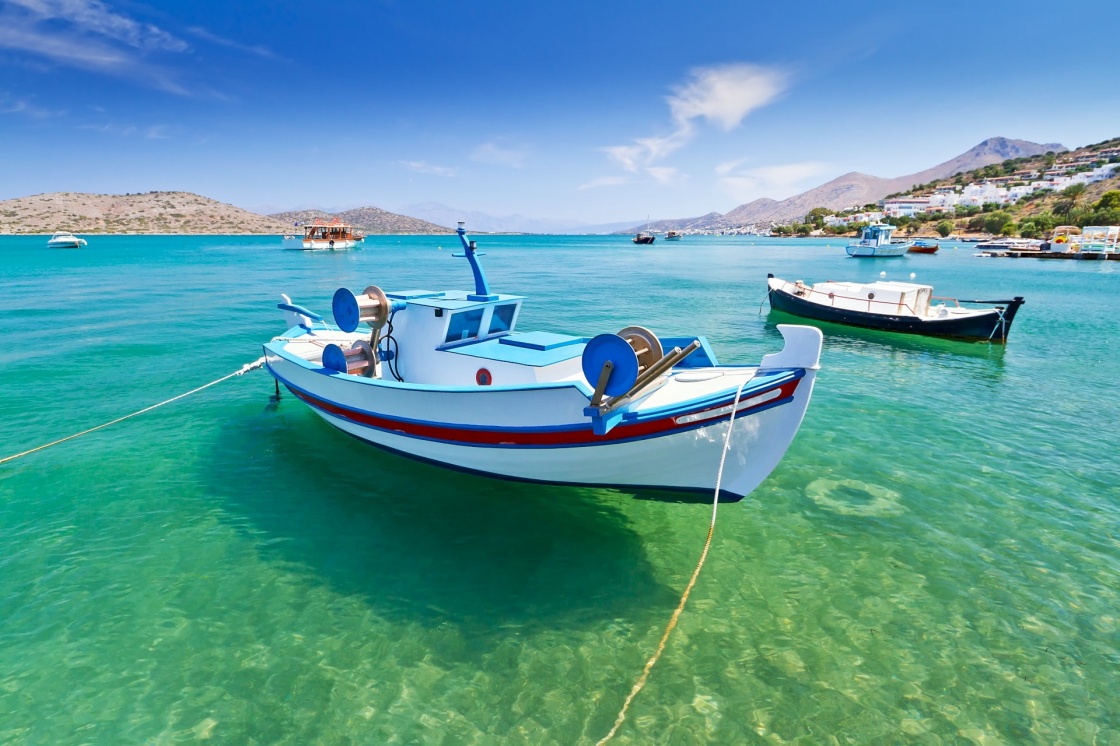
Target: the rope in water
(641, 682)
(242, 371)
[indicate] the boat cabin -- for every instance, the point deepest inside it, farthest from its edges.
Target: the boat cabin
(896, 298)
(332, 231)
(876, 234)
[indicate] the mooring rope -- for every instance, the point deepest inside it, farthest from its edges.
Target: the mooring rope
(641, 682)
(242, 371)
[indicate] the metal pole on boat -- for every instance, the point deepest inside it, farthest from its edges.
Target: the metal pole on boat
(481, 288)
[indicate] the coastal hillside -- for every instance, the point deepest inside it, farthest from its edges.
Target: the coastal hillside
(368, 219)
(153, 212)
(856, 188)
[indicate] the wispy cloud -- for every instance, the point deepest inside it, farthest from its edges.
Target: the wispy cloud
(777, 181)
(260, 50)
(423, 167)
(24, 107)
(88, 35)
(493, 153)
(722, 96)
(605, 181)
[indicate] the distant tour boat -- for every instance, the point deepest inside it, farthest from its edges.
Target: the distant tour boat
(673, 236)
(63, 240)
(923, 246)
(894, 306)
(875, 241)
(323, 235)
(447, 377)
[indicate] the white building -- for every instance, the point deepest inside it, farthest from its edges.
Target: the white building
(859, 217)
(906, 207)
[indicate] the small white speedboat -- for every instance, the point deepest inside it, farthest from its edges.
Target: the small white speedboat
(446, 377)
(63, 240)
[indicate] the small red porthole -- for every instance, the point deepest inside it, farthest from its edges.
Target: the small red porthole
(483, 377)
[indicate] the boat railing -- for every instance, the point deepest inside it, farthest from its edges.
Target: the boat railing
(804, 291)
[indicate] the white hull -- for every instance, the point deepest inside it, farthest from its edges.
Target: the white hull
(878, 251)
(299, 244)
(541, 433)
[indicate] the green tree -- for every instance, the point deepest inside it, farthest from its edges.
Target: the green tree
(817, 215)
(1074, 192)
(976, 224)
(1029, 229)
(1109, 200)
(1063, 207)
(995, 222)
(944, 228)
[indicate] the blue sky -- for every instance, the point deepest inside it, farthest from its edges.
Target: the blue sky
(588, 111)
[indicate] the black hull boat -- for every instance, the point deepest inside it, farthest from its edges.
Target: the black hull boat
(644, 238)
(896, 307)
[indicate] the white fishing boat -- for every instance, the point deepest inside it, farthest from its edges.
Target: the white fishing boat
(673, 236)
(325, 235)
(63, 240)
(875, 241)
(447, 377)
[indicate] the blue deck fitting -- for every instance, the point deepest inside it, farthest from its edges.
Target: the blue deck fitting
(481, 288)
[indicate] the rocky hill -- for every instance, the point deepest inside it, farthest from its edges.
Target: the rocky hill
(154, 212)
(368, 219)
(854, 188)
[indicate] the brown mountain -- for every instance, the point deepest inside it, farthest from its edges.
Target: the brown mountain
(854, 189)
(369, 219)
(154, 212)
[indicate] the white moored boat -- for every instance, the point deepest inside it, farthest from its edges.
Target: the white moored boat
(63, 240)
(875, 241)
(325, 235)
(447, 377)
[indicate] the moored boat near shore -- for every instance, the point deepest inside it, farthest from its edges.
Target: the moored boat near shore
(875, 241)
(446, 377)
(924, 246)
(673, 236)
(894, 306)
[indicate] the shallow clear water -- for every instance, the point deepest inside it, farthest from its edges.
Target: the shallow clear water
(936, 559)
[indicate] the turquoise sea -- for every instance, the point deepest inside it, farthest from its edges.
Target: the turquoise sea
(936, 561)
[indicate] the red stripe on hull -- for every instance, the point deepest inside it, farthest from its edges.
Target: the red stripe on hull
(573, 437)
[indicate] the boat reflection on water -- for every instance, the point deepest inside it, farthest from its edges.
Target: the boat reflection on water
(982, 361)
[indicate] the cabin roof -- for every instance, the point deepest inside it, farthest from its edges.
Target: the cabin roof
(451, 300)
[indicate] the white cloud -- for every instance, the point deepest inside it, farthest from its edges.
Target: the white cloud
(605, 181)
(664, 174)
(88, 35)
(722, 95)
(491, 152)
(423, 167)
(9, 105)
(777, 182)
(259, 49)
(725, 95)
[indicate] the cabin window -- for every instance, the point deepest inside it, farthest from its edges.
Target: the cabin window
(464, 325)
(502, 318)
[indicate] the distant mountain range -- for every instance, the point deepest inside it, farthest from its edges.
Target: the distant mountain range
(368, 219)
(855, 189)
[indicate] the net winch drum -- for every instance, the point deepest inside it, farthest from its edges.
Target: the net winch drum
(646, 346)
(358, 360)
(371, 307)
